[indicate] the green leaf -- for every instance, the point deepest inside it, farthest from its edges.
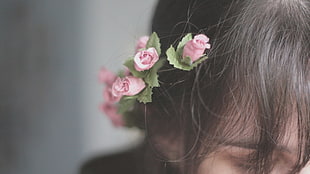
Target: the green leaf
(130, 65)
(134, 119)
(174, 59)
(146, 95)
(129, 119)
(126, 104)
(152, 77)
(181, 45)
(160, 63)
(154, 42)
(200, 60)
(187, 60)
(178, 62)
(121, 73)
(126, 97)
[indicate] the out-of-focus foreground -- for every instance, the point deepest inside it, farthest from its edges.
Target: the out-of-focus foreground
(50, 54)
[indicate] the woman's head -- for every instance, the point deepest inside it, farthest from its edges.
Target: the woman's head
(247, 108)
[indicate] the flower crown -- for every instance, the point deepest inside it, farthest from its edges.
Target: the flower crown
(137, 81)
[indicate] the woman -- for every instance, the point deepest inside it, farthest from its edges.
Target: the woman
(247, 108)
(244, 110)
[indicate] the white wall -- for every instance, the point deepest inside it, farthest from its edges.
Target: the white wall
(40, 89)
(109, 31)
(50, 54)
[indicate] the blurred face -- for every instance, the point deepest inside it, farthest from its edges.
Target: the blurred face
(233, 158)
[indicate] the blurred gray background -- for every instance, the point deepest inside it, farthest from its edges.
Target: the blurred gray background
(50, 55)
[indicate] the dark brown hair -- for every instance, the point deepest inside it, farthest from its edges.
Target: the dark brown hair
(256, 82)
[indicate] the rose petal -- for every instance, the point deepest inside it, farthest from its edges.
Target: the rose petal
(141, 43)
(145, 59)
(136, 85)
(106, 76)
(128, 85)
(195, 48)
(202, 37)
(109, 97)
(111, 112)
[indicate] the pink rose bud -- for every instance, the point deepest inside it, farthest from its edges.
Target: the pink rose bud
(111, 111)
(109, 97)
(195, 48)
(106, 76)
(127, 86)
(141, 43)
(127, 72)
(145, 59)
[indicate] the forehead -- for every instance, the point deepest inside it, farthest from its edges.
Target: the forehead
(245, 132)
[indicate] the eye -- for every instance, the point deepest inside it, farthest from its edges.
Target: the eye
(244, 165)
(280, 164)
(243, 161)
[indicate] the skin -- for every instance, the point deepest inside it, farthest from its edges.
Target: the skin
(232, 158)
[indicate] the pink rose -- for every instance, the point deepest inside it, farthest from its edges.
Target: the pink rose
(195, 48)
(127, 86)
(106, 76)
(111, 111)
(109, 97)
(145, 59)
(127, 72)
(141, 43)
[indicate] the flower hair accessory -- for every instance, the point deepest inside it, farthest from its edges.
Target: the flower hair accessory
(141, 75)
